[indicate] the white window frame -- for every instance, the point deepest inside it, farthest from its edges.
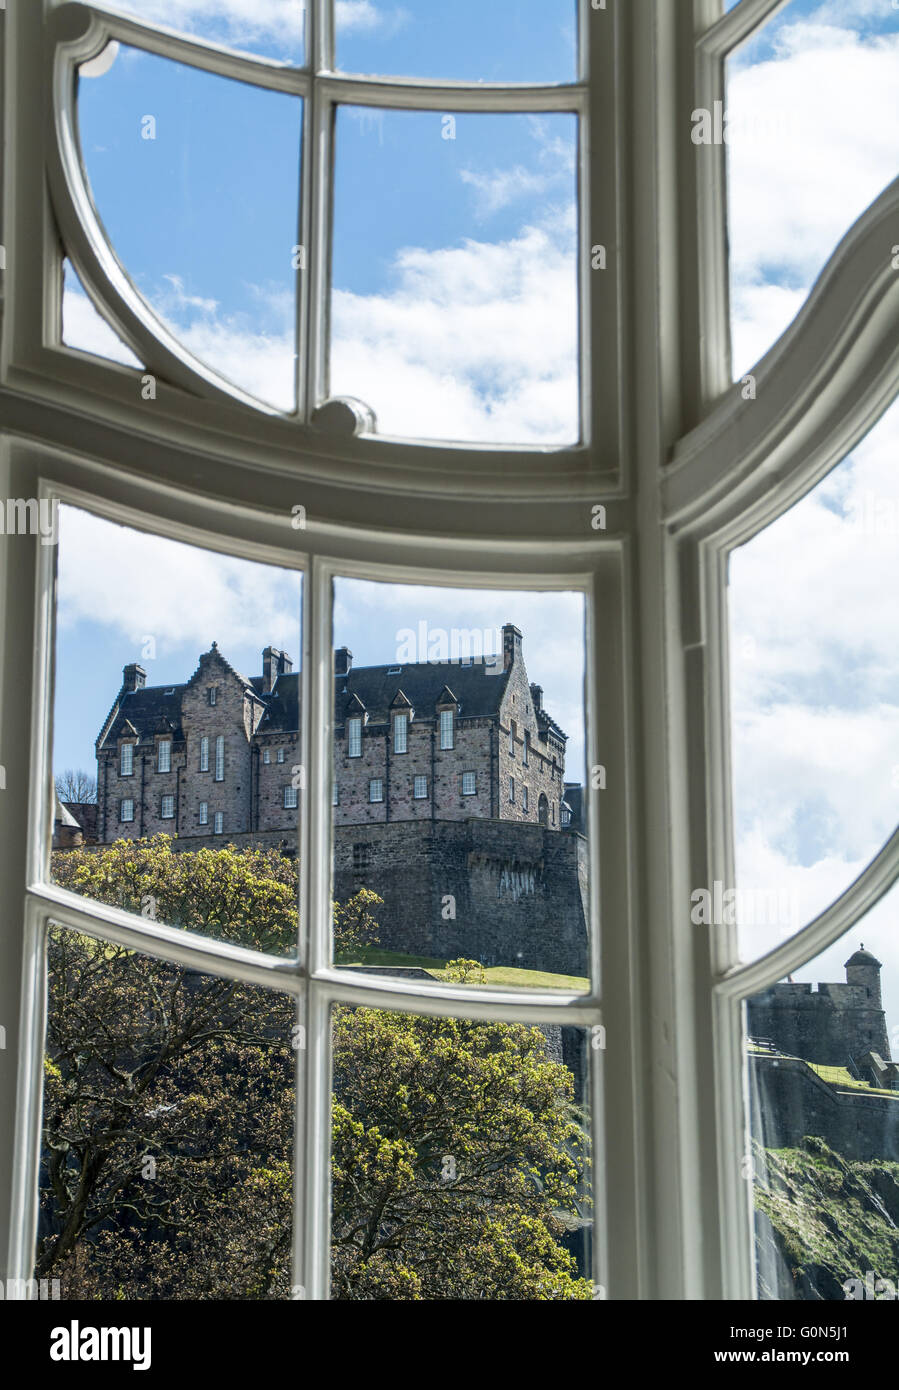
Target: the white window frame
(203, 815)
(164, 755)
(220, 758)
(123, 819)
(266, 755)
(469, 784)
(354, 736)
(289, 799)
(419, 781)
(204, 753)
(685, 472)
(280, 757)
(447, 729)
(167, 800)
(126, 760)
(375, 791)
(400, 734)
(218, 823)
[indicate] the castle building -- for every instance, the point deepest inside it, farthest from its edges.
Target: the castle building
(429, 741)
(840, 1025)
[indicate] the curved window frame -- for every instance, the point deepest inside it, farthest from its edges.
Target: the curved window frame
(673, 474)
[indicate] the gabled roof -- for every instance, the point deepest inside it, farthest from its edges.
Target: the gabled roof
(144, 714)
(478, 688)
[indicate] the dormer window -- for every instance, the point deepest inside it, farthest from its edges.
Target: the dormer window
(164, 755)
(447, 731)
(400, 733)
(354, 736)
(126, 763)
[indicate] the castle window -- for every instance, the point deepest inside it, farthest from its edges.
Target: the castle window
(126, 810)
(446, 728)
(361, 856)
(220, 758)
(204, 754)
(511, 788)
(218, 824)
(266, 755)
(290, 798)
(376, 789)
(280, 755)
(512, 737)
(552, 812)
(524, 798)
(525, 748)
(167, 808)
(204, 813)
(126, 765)
(420, 788)
(164, 755)
(400, 733)
(469, 784)
(212, 694)
(354, 736)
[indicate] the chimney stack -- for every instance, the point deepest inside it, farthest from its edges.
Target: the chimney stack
(269, 669)
(511, 645)
(134, 677)
(274, 664)
(537, 697)
(343, 661)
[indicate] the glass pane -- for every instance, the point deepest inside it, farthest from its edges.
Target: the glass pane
(83, 328)
(168, 1125)
(178, 778)
(461, 1159)
(802, 165)
(270, 28)
(454, 308)
(824, 1109)
(196, 180)
(505, 41)
(815, 693)
(459, 784)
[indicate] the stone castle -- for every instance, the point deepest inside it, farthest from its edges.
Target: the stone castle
(448, 789)
(803, 1040)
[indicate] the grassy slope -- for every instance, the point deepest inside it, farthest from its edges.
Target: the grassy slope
(496, 975)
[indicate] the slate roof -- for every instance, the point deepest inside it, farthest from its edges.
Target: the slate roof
(154, 710)
(478, 688)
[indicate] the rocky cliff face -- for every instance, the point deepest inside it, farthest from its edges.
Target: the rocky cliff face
(822, 1220)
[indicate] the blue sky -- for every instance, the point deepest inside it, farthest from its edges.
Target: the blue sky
(454, 315)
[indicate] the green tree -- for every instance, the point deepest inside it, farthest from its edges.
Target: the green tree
(168, 1115)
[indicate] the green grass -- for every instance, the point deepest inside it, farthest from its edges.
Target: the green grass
(496, 974)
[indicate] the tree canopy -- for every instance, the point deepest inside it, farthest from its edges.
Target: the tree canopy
(458, 1153)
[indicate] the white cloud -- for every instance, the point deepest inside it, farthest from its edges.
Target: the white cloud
(179, 594)
(278, 21)
(815, 681)
(477, 342)
(85, 329)
(814, 127)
